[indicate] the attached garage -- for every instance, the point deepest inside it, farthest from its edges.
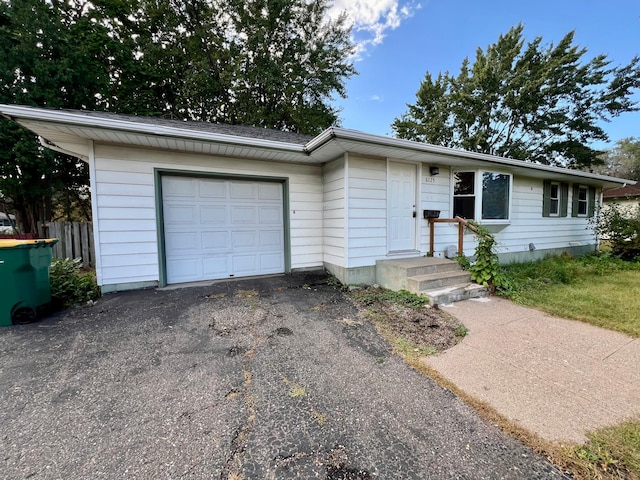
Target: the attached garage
(176, 202)
(218, 228)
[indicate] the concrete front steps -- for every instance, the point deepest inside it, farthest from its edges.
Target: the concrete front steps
(440, 279)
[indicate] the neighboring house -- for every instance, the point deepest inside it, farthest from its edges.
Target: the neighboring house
(7, 222)
(176, 202)
(627, 197)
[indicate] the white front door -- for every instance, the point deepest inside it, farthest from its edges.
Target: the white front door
(401, 218)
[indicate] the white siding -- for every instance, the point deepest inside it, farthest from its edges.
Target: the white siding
(333, 212)
(127, 216)
(367, 237)
(527, 225)
(367, 210)
(435, 194)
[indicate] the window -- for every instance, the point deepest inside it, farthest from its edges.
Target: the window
(555, 198)
(494, 202)
(584, 201)
(464, 200)
(495, 196)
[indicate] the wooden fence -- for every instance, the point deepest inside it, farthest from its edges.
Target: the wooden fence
(75, 240)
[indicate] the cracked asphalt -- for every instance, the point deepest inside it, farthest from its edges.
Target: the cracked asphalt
(272, 378)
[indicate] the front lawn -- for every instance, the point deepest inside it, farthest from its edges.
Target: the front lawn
(604, 291)
(597, 289)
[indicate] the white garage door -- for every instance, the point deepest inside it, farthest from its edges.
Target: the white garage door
(216, 228)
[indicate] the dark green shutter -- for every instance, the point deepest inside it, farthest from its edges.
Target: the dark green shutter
(564, 199)
(574, 200)
(546, 198)
(592, 201)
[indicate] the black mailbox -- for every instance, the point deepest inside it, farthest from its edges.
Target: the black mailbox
(431, 213)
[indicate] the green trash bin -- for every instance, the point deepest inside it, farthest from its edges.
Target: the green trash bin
(24, 279)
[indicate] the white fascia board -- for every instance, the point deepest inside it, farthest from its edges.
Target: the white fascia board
(16, 113)
(354, 135)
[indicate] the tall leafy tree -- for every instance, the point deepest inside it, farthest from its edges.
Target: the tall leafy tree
(292, 60)
(52, 54)
(623, 160)
(535, 102)
(269, 63)
(274, 63)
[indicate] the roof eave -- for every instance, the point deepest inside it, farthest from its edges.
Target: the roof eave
(341, 133)
(17, 113)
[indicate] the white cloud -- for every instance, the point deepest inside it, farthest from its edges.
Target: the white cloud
(377, 98)
(371, 19)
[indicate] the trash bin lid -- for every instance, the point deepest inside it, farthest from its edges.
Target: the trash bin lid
(11, 243)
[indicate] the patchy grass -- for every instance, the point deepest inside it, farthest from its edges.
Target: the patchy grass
(407, 322)
(596, 289)
(412, 350)
(611, 453)
(297, 391)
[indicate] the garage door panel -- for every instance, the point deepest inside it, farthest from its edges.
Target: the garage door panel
(244, 215)
(242, 240)
(179, 187)
(215, 267)
(184, 269)
(213, 241)
(242, 191)
(269, 191)
(271, 263)
(270, 215)
(180, 214)
(213, 189)
(213, 214)
(182, 241)
(244, 265)
(271, 240)
(217, 228)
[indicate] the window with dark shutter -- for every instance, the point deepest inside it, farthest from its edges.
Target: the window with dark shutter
(555, 199)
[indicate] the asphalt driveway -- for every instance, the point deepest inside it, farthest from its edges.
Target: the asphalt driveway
(259, 379)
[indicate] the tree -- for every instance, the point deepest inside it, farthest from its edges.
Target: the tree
(273, 64)
(623, 160)
(292, 59)
(537, 103)
(268, 63)
(51, 54)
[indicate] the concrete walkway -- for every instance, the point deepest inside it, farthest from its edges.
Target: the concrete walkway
(555, 377)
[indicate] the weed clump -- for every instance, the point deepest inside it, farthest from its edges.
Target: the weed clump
(70, 285)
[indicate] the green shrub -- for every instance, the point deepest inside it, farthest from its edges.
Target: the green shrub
(486, 270)
(620, 227)
(70, 285)
(562, 270)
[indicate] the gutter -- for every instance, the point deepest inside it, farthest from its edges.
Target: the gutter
(321, 140)
(13, 112)
(357, 136)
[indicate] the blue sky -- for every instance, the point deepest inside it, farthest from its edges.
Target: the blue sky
(401, 40)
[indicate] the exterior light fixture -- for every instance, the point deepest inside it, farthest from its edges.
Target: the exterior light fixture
(434, 171)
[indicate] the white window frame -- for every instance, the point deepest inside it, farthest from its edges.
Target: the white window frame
(478, 194)
(585, 202)
(473, 195)
(557, 199)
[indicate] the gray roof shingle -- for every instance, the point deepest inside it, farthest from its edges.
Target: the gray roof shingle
(220, 128)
